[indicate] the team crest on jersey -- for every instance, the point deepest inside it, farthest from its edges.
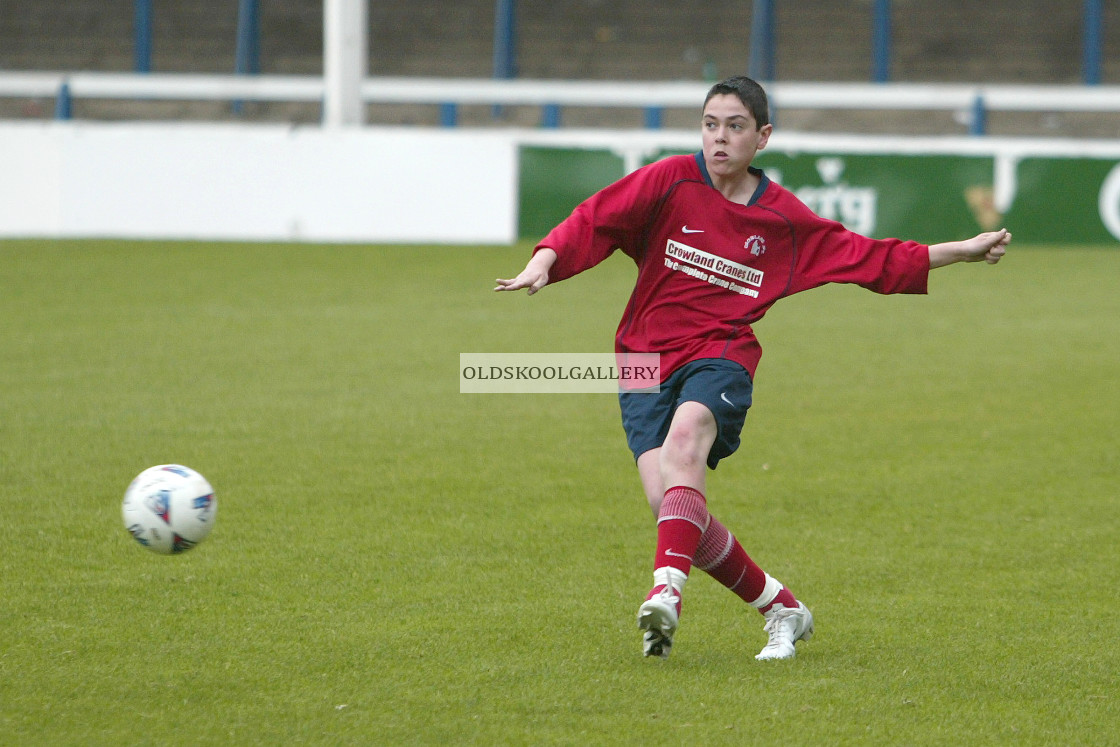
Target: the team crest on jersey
(756, 245)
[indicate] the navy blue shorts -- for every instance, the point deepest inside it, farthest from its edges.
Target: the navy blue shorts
(723, 386)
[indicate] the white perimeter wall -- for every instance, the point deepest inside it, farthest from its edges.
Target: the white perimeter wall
(238, 182)
(210, 181)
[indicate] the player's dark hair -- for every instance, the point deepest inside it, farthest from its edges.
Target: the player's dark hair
(749, 92)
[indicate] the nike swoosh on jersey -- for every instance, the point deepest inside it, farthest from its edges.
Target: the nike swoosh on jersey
(686, 229)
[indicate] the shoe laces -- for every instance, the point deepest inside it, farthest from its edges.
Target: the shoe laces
(778, 623)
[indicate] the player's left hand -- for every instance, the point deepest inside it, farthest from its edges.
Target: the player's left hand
(989, 247)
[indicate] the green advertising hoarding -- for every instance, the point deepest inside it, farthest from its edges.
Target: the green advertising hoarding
(1067, 201)
(924, 198)
(927, 198)
(554, 180)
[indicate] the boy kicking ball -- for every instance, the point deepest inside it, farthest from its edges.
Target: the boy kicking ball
(716, 244)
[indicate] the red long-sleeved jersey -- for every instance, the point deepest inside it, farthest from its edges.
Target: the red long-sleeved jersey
(708, 268)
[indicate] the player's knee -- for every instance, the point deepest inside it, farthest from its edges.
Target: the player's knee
(680, 442)
(684, 449)
(693, 431)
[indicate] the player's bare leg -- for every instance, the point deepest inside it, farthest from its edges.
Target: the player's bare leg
(649, 471)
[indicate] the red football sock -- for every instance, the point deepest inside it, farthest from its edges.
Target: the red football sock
(724, 559)
(785, 598)
(680, 524)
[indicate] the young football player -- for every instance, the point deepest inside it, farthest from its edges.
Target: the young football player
(716, 243)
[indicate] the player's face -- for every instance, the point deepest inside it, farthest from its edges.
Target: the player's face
(731, 136)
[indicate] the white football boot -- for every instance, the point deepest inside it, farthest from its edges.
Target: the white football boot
(659, 617)
(786, 626)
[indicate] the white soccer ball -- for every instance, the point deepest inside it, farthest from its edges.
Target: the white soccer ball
(169, 508)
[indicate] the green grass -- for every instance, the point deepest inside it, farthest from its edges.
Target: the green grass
(396, 563)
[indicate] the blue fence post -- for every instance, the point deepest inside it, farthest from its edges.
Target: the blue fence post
(1091, 44)
(505, 39)
(448, 114)
(550, 115)
(505, 43)
(654, 117)
(63, 104)
(760, 66)
(247, 54)
(142, 31)
(979, 120)
(881, 41)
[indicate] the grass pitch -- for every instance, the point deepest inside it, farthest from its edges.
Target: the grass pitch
(396, 563)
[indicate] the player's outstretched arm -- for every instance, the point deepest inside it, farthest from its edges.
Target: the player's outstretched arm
(989, 247)
(534, 276)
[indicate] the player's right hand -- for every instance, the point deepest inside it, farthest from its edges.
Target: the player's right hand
(533, 280)
(534, 276)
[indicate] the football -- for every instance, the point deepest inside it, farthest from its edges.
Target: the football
(169, 508)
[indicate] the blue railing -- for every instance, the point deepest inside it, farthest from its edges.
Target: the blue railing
(761, 63)
(247, 58)
(763, 41)
(247, 55)
(142, 30)
(1091, 43)
(881, 41)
